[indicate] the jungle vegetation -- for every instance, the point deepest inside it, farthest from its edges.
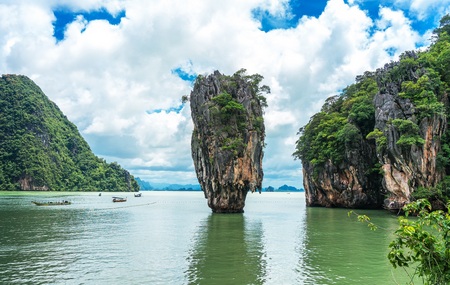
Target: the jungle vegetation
(232, 119)
(40, 148)
(350, 116)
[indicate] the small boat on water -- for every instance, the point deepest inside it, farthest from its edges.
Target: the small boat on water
(119, 199)
(137, 194)
(52, 203)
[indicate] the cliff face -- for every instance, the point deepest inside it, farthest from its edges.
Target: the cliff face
(40, 149)
(350, 184)
(407, 166)
(228, 138)
(381, 152)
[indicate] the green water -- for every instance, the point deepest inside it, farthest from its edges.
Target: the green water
(173, 238)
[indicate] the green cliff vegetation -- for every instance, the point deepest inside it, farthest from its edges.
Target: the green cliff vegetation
(228, 137)
(230, 115)
(421, 78)
(342, 121)
(40, 149)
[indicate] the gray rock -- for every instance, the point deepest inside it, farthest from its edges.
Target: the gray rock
(228, 139)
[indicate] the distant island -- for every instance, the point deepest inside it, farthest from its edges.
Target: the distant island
(147, 186)
(284, 188)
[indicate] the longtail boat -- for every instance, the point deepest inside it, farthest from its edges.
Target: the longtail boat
(119, 199)
(52, 203)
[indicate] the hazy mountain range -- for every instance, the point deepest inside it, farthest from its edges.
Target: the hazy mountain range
(149, 186)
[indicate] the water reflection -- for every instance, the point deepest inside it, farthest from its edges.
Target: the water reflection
(48, 245)
(340, 250)
(228, 249)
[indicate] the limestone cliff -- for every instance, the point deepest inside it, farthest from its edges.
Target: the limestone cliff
(412, 139)
(349, 184)
(228, 138)
(384, 141)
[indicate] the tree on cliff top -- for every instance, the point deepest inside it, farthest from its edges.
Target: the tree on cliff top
(342, 120)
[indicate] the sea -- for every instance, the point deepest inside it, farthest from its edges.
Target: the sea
(174, 238)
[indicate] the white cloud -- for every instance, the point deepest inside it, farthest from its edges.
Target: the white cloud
(111, 79)
(427, 8)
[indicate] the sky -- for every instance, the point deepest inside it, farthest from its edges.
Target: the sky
(118, 68)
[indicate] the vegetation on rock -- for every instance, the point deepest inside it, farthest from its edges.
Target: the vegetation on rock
(228, 137)
(342, 120)
(402, 109)
(40, 149)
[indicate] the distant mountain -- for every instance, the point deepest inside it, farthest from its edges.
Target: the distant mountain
(183, 187)
(284, 188)
(144, 185)
(40, 149)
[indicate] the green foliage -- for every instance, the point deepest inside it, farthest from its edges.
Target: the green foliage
(424, 93)
(423, 242)
(230, 118)
(38, 144)
(343, 121)
(443, 157)
(321, 139)
(379, 137)
(184, 99)
(232, 115)
(236, 145)
(439, 193)
(444, 27)
(362, 113)
(254, 81)
(222, 99)
(258, 124)
(263, 100)
(364, 219)
(409, 133)
(349, 134)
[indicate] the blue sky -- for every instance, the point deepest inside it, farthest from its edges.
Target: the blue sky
(300, 8)
(65, 16)
(119, 68)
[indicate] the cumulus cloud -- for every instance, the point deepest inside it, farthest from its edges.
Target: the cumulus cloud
(426, 8)
(117, 82)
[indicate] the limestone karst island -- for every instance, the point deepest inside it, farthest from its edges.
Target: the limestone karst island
(384, 141)
(228, 137)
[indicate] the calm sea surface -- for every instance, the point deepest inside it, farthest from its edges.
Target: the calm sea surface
(173, 238)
